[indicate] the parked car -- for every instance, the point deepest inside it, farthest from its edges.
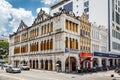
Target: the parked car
(117, 70)
(6, 65)
(24, 67)
(13, 69)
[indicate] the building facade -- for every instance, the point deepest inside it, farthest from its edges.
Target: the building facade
(49, 41)
(75, 6)
(107, 15)
(85, 42)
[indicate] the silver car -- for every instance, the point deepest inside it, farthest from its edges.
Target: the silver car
(24, 67)
(13, 69)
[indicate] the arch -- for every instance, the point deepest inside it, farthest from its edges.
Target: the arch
(111, 62)
(46, 65)
(33, 64)
(36, 64)
(51, 65)
(95, 62)
(30, 61)
(59, 63)
(103, 62)
(72, 65)
(42, 64)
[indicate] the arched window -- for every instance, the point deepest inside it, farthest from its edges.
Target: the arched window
(73, 44)
(76, 44)
(44, 45)
(48, 47)
(42, 30)
(66, 42)
(76, 27)
(67, 24)
(41, 45)
(51, 26)
(51, 44)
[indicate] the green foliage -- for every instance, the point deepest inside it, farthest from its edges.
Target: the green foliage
(4, 48)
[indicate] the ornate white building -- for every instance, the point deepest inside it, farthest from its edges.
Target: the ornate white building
(99, 47)
(49, 41)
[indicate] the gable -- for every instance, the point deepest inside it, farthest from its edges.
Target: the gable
(22, 26)
(41, 17)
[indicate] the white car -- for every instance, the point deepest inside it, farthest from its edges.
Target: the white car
(24, 67)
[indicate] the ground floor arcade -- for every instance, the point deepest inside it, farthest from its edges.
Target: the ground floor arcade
(63, 61)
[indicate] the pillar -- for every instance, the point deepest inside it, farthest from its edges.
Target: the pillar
(54, 65)
(107, 62)
(100, 62)
(44, 64)
(113, 61)
(39, 64)
(48, 64)
(63, 66)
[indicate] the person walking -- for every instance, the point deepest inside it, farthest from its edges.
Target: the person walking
(2, 68)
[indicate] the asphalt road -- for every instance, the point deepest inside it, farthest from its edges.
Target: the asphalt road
(52, 75)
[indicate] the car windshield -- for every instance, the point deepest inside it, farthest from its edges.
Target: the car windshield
(24, 65)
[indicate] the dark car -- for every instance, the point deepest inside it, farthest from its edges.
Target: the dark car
(24, 67)
(13, 69)
(117, 70)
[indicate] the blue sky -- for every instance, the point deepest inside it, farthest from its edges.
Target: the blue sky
(13, 11)
(31, 5)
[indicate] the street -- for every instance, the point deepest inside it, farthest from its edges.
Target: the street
(52, 75)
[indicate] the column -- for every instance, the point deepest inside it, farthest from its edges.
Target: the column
(54, 64)
(35, 64)
(113, 62)
(99, 62)
(117, 62)
(39, 64)
(48, 64)
(44, 64)
(63, 66)
(107, 62)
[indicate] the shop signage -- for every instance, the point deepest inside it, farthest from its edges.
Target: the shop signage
(85, 54)
(106, 55)
(71, 50)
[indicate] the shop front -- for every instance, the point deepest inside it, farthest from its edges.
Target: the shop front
(85, 60)
(106, 59)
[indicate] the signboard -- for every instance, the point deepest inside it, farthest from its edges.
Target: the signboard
(106, 55)
(85, 54)
(71, 50)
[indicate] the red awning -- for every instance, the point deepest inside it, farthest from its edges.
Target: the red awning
(85, 54)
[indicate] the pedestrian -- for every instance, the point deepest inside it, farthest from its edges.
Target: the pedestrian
(2, 67)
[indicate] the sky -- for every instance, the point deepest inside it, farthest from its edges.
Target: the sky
(13, 11)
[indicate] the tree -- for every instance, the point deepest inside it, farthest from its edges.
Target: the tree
(4, 48)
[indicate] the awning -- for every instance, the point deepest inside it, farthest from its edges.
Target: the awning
(85, 54)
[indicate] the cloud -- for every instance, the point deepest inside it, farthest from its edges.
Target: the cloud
(10, 17)
(48, 1)
(43, 8)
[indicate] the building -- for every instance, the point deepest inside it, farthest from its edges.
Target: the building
(75, 6)
(99, 38)
(50, 41)
(85, 42)
(3, 39)
(107, 15)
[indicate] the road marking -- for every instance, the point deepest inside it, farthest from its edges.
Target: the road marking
(11, 77)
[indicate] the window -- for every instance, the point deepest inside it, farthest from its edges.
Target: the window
(117, 18)
(86, 4)
(69, 7)
(86, 10)
(66, 42)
